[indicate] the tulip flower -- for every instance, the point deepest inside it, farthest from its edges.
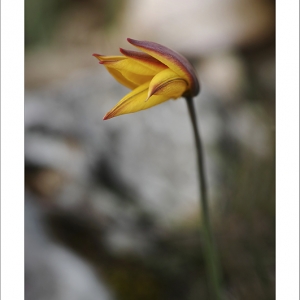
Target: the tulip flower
(155, 75)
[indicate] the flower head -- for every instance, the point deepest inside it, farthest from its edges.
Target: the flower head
(155, 75)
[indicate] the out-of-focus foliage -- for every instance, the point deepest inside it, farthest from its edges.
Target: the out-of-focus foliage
(40, 19)
(44, 18)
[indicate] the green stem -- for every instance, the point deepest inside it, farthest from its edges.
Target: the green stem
(213, 267)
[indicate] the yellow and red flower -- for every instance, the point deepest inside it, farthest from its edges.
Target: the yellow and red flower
(155, 75)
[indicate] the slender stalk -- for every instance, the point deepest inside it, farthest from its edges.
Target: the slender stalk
(213, 267)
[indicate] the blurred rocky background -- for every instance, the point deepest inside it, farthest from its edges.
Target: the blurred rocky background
(112, 207)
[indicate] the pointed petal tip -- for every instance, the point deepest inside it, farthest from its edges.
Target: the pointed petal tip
(122, 50)
(98, 57)
(131, 41)
(108, 116)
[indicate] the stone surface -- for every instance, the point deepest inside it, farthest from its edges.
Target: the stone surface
(53, 272)
(198, 28)
(152, 151)
(150, 154)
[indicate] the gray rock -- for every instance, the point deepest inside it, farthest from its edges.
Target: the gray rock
(53, 272)
(150, 154)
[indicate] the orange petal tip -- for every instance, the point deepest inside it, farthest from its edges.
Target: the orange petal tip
(107, 116)
(97, 56)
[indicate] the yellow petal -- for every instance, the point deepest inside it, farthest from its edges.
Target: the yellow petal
(129, 65)
(121, 79)
(135, 79)
(145, 59)
(115, 73)
(167, 83)
(126, 70)
(135, 101)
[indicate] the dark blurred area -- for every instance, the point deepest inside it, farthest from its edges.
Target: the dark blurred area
(112, 207)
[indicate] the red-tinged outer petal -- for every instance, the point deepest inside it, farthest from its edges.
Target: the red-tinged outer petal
(144, 59)
(172, 59)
